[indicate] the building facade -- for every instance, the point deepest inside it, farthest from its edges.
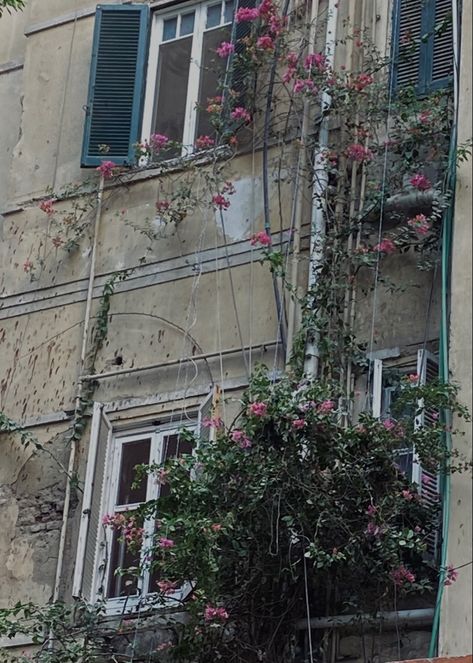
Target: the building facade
(190, 309)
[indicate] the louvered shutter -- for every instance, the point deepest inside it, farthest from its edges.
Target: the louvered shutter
(116, 84)
(442, 49)
(407, 34)
(90, 525)
(427, 481)
(422, 44)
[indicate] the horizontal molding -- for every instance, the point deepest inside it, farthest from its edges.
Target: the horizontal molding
(173, 269)
(12, 65)
(70, 17)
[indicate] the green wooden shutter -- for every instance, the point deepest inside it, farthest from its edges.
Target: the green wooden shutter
(116, 84)
(422, 52)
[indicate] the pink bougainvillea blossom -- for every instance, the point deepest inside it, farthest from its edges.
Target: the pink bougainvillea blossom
(326, 406)
(164, 542)
(216, 527)
(402, 575)
(159, 141)
(260, 238)
(425, 117)
(265, 43)
(451, 575)
(165, 646)
(212, 422)
(317, 60)
(297, 424)
(426, 480)
(167, 586)
(106, 169)
(359, 153)
(371, 510)
(420, 182)
(225, 49)
(386, 246)
(241, 439)
(258, 409)
(214, 105)
(163, 205)
(27, 266)
(204, 142)
(413, 378)
(220, 201)
(420, 224)
(247, 14)
(304, 85)
(47, 206)
(211, 613)
(389, 424)
(362, 81)
(373, 529)
(240, 113)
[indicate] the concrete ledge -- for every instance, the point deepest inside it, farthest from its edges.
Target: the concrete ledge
(441, 659)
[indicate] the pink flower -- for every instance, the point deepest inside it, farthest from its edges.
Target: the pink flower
(389, 424)
(163, 205)
(57, 241)
(214, 105)
(225, 49)
(304, 85)
(266, 8)
(425, 117)
(246, 14)
(426, 480)
(361, 82)
(420, 224)
(220, 201)
(413, 378)
(216, 527)
(452, 575)
(408, 495)
(167, 586)
(317, 60)
(386, 246)
(164, 646)
(359, 153)
(420, 182)
(372, 529)
(163, 542)
(241, 439)
(47, 206)
(298, 423)
(260, 238)
(326, 406)
(158, 142)
(106, 169)
(240, 113)
(258, 409)
(162, 476)
(402, 575)
(212, 422)
(371, 510)
(204, 142)
(289, 74)
(27, 266)
(265, 42)
(215, 614)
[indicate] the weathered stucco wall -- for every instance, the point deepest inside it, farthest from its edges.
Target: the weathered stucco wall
(456, 617)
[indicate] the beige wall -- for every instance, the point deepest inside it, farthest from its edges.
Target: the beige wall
(456, 615)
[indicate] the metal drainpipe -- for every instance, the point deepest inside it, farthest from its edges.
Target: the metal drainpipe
(72, 454)
(317, 222)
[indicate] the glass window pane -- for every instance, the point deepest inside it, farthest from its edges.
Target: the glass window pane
(122, 558)
(171, 91)
(213, 15)
(173, 447)
(169, 29)
(133, 453)
(213, 68)
(229, 11)
(187, 24)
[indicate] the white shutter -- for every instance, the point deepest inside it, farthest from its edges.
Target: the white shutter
(428, 482)
(377, 391)
(208, 409)
(90, 523)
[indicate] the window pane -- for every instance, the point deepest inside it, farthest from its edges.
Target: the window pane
(122, 558)
(171, 90)
(173, 447)
(229, 11)
(170, 27)
(133, 453)
(213, 68)
(214, 13)
(187, 24)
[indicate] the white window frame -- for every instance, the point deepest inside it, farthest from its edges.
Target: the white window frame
(193, 87)
(120, 605)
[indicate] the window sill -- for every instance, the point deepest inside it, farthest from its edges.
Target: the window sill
(137, 605)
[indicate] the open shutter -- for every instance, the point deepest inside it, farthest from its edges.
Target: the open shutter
(116, 84)
(208, 409)
(427, 481)
(406, 41)
(90, 524)
(377, 391)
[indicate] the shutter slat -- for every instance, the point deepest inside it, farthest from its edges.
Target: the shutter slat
(442, 58)
(408, 55)
(116, 83)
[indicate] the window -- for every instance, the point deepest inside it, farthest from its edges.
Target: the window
(423, 44)
(386, 386)
(184, 70)
(153, 73)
